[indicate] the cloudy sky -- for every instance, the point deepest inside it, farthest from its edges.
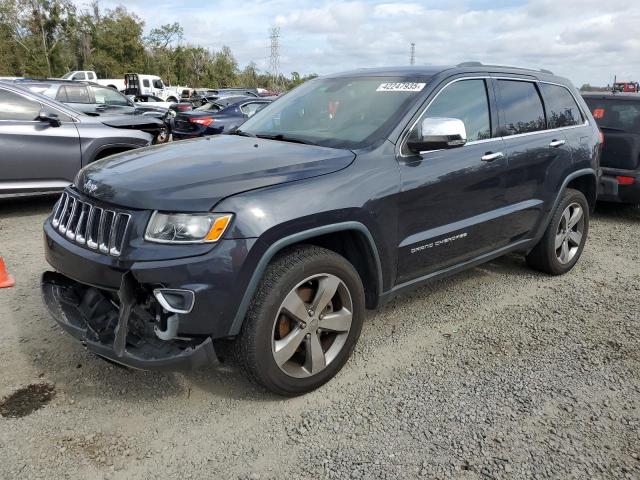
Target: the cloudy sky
(588, 41)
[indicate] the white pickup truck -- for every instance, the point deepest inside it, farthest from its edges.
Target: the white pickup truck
(131, 84)
(90, 76)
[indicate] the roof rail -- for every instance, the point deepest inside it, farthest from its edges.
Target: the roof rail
(480, 64)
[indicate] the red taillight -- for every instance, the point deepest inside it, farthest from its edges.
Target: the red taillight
(184, 108)
(206, 121)
(625, 180)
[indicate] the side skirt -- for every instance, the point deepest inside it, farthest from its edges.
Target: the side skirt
(521, 245)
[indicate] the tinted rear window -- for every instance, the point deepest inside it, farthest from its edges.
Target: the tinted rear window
(76, 94)
(614, 114)
(521, 105)
(562, 109)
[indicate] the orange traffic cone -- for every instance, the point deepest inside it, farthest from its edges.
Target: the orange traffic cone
(6, 280)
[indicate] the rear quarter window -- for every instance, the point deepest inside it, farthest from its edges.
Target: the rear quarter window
(562, 109)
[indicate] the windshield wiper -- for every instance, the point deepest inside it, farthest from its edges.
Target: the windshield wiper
(283, 138)
(241, 133)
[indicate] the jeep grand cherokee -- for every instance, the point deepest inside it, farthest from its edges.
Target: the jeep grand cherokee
(343, 193)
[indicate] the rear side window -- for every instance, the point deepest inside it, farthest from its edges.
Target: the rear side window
(562, 109)
(465, 100)
(621, 115)
(17, 107)
(521, 107)
(250, 109)
(75, 94)
(145, 82)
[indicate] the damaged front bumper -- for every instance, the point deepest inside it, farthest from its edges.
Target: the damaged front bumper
(119, 327)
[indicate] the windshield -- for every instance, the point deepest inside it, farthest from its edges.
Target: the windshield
(613, 114)
(346, 112)
(67, 76)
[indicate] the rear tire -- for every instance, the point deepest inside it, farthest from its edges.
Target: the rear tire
(563, 242)
(303, 322)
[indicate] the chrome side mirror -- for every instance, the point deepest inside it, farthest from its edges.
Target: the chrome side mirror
(437, 133)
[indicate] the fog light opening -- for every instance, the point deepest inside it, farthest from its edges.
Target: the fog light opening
(175, 300)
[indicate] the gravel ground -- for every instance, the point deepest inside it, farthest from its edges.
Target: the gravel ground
(498, 372)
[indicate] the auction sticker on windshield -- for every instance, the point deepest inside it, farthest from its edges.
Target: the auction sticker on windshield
(400, 87)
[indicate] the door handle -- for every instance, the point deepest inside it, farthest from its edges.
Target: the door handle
(490, 157)
(557, 143)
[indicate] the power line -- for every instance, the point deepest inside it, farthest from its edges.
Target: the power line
(274, 61)
(412, 54)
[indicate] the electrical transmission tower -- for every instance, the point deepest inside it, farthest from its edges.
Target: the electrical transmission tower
(274, 63)
(412, 54)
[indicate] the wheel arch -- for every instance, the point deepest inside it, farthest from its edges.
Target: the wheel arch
(353, 240)
(111, 149)
(586, 178)
(588, 185)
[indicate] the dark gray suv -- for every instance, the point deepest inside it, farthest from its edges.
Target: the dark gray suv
(45, 143)
(343, 193)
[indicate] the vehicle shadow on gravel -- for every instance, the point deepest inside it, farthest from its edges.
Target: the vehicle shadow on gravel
(616, 211)
(22, 205)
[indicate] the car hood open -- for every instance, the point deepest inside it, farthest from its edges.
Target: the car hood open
(194, 175)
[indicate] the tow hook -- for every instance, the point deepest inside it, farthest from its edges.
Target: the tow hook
(172, 329)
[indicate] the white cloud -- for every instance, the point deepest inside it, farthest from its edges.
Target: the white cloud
(586, 40)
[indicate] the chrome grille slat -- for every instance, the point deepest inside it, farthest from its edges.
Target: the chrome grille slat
(90, 226)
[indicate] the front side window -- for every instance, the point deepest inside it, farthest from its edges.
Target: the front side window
(464, 100)
(79, 76)
(521, 107)
(158, 84)
(562, 109)
(341, 112)
(17, 107)
(109, 96)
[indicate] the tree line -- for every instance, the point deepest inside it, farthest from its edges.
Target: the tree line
(47, 38)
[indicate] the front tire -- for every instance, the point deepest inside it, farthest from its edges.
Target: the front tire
(563, 242)
(303, 322)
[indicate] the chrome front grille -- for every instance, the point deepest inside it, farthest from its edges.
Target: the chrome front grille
(90, 226)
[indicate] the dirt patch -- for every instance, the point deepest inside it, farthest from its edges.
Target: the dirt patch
(27, 400)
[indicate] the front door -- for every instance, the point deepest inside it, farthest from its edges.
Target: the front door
(452, 201)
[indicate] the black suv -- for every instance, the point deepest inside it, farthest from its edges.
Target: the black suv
(618, 116)
(343, 193)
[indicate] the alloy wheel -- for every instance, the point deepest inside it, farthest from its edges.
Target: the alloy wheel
(312, 325)
(569, 234)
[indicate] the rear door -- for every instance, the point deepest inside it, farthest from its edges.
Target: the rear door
(451, 203)
(538, 157)
(35, 156)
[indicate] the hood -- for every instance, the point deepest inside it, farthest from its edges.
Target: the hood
(136, 122)
(194, 175)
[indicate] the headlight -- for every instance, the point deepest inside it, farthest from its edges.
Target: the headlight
(186, 227)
